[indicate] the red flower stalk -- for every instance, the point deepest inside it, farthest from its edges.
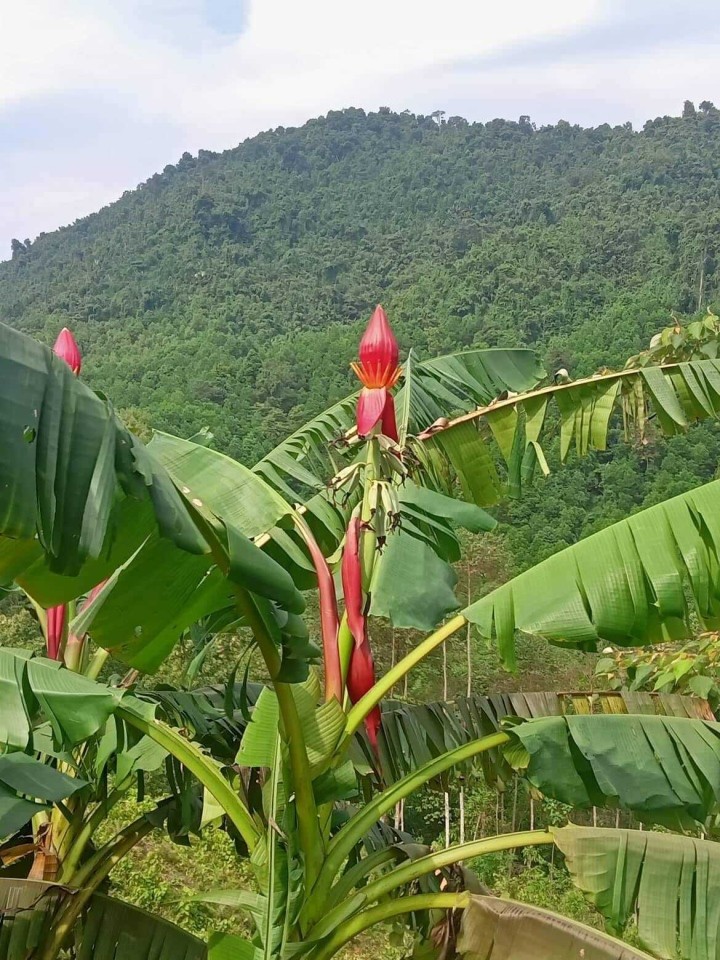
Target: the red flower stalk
(378, 371)
(361, 678)
(329, 622)
(361, 671)
(352, 581)
(67, 349)
(55, 626)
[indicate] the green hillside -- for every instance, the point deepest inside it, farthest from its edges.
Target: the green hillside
(230, 289)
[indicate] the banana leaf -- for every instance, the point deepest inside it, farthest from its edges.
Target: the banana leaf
(629, 584)
(80, 492)
(665, 770)
(414, 733)
(494, 929)
(108, 930)
(667, 885)
(83, 499)
(673, 395)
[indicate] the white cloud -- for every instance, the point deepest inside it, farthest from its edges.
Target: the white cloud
(167, 81)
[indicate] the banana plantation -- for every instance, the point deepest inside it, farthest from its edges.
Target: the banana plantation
(306, 756)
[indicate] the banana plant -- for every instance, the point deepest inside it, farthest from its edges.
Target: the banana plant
(305, 915)
(180, 532)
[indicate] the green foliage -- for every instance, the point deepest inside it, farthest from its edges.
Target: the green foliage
(689, 668)
(636, 762)
(251, 272)
(161, 876)
(626, 584)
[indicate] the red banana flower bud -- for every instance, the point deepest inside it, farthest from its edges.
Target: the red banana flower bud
(352, 581)
(67, 349)
(54, 631)
(329, 621)
(361, 678)
(378, 353)
(378, 371)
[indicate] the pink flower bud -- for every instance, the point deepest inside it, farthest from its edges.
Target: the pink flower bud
(378, 366)
(67, 349)
(379, 349)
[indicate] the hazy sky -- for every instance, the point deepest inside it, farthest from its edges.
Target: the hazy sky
(96, 95)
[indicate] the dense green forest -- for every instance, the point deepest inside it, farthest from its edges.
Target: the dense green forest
(230, 289)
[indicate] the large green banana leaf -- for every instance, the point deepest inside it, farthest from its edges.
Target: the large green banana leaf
(108, 929)
(664, 769)
(413, 734)
(75, 707)
(494, 929)
(79, 492)
(81, 496)
(628, 584)
(674, 395)
(668, 885)
(413, 583)
(168, 589)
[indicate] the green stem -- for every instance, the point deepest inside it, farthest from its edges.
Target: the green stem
(345, 645)
(308, 826)
(41, 613)
(414, 869)
(369, 540)
(365, 704)
(356, 828)
(307, 814)
(69, 864)
(351, 878)
(74, 653)
(200, 766)
(386, 911)
(90, 878)
(97, 663)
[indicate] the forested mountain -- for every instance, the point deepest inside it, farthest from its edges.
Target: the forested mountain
(230, 289)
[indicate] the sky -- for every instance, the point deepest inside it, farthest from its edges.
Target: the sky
(97, 95)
